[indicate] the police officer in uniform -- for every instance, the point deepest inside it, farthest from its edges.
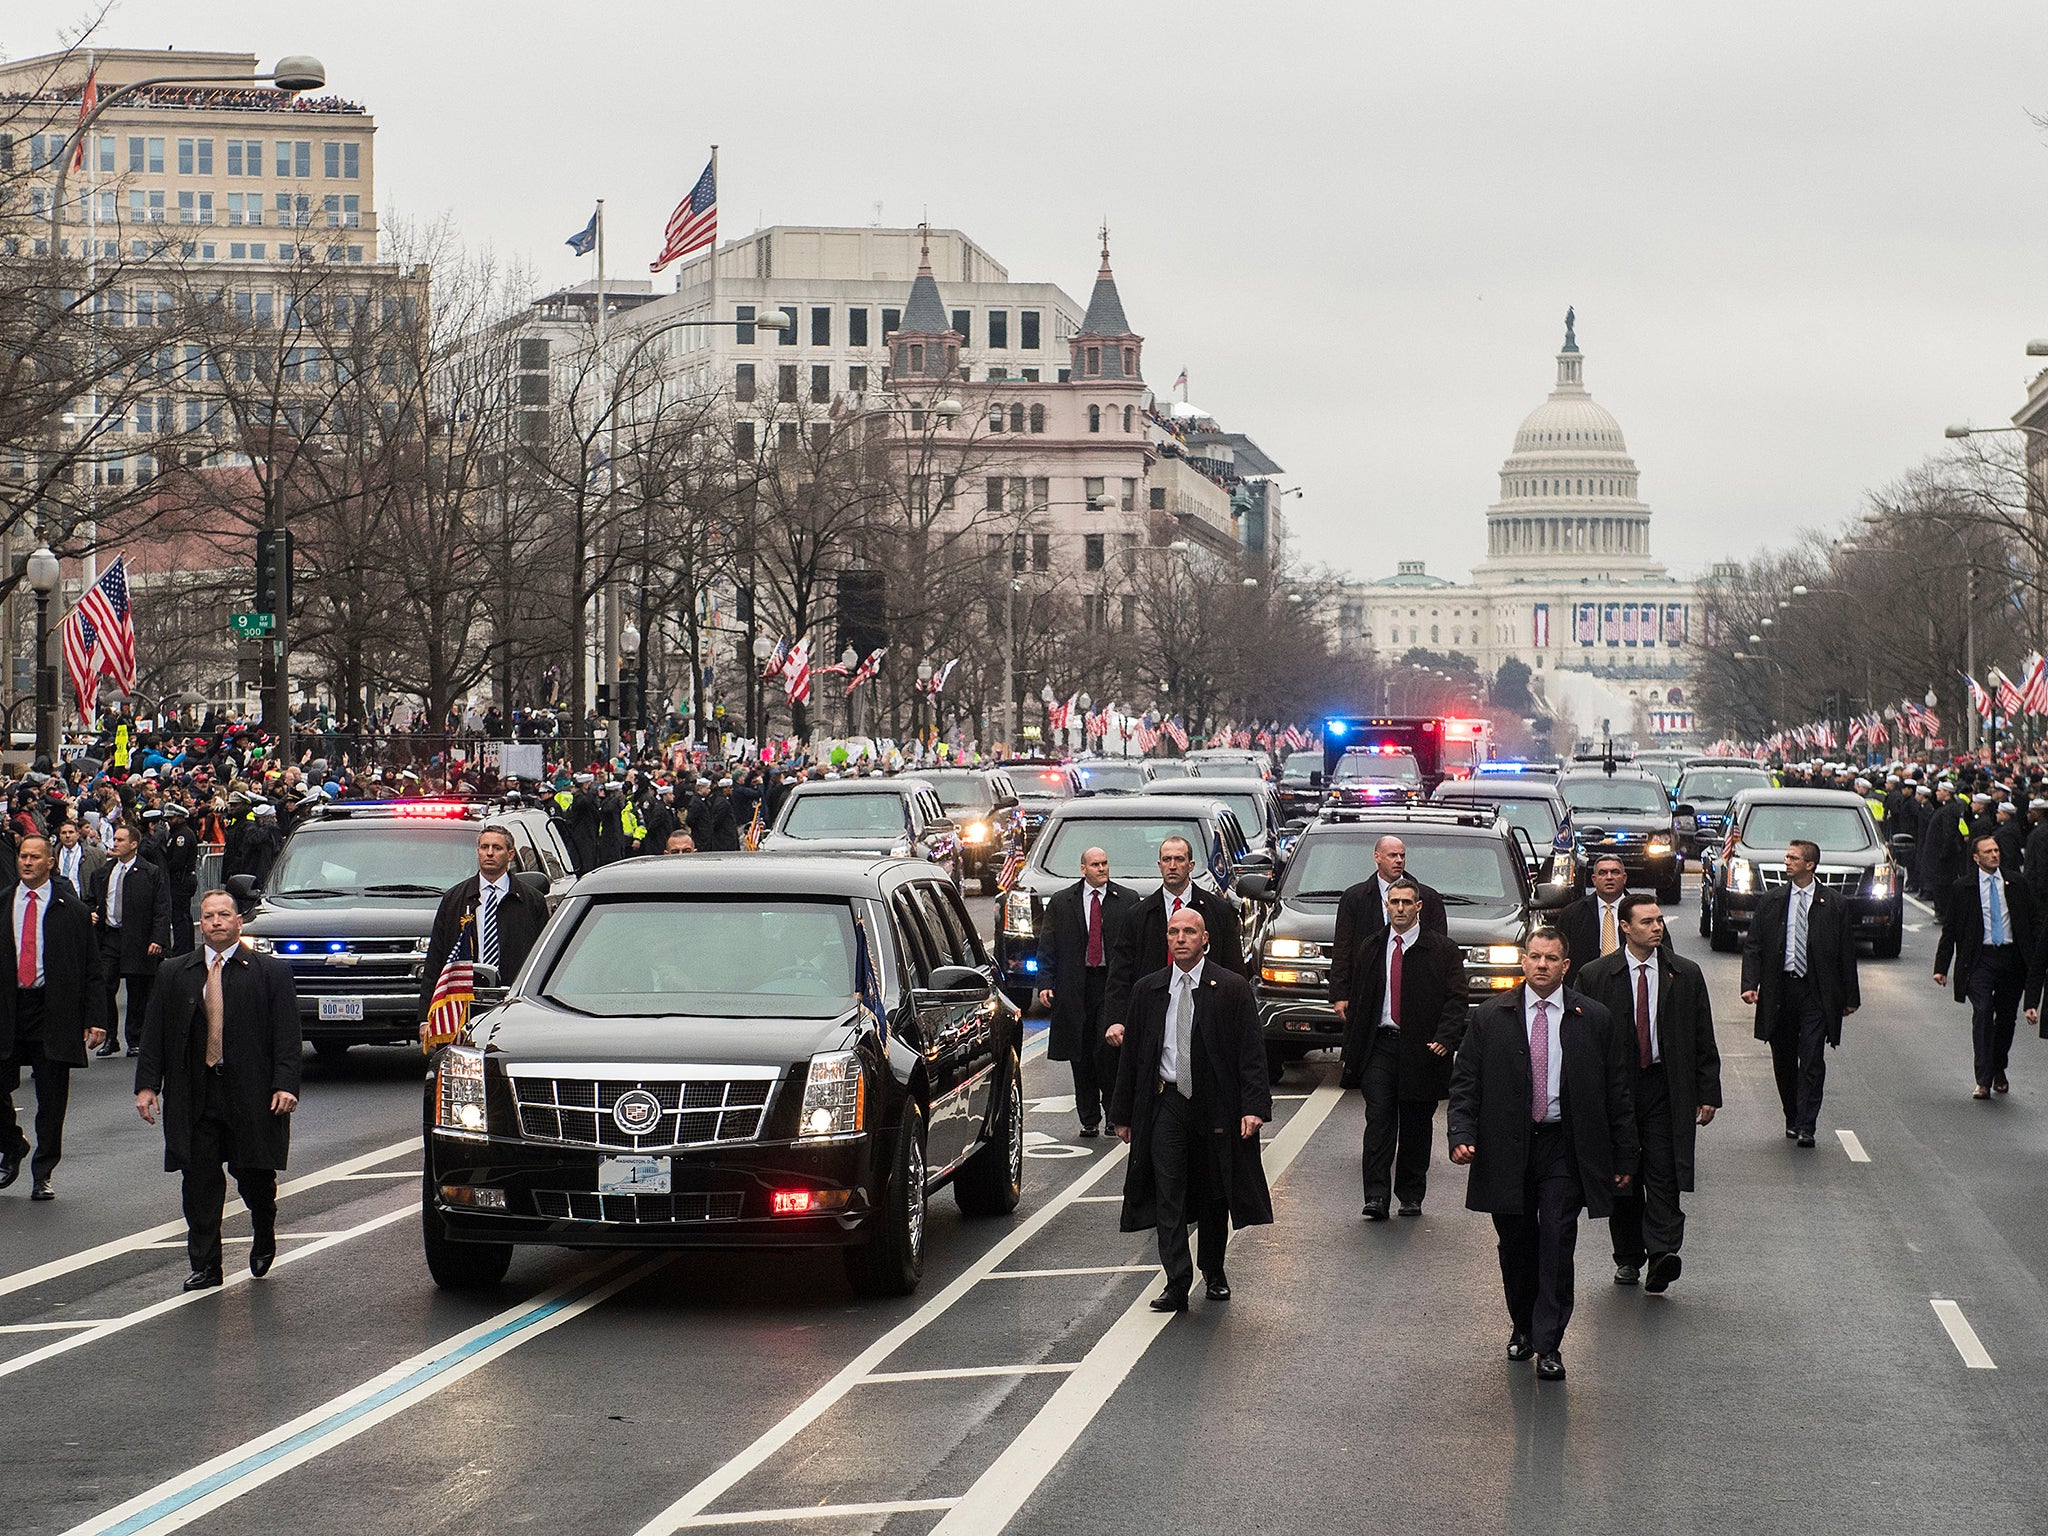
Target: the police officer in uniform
(181, 862)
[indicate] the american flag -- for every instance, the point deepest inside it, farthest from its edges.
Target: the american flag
(1098, 724)
(2009, 703)
(1855, 732)
(1056, 716)
(1145, 736)
(796, 673)
(1176, 733)
(1979, 699)
(1013, 865)
(81, 660)
(448, 1012)
(776, 658)
(87, 100)
(106, 607)
(2034, 685)
(694, 224)
(865, 672)
(939, 677)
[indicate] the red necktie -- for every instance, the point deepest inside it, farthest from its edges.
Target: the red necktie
(25, 962)
(1539, 1064)
(1095, 928)
(1394, 981)
(1643, 1013)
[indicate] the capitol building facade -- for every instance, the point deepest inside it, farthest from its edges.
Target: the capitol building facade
(1568, 585)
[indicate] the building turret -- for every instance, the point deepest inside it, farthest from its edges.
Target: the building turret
(1106, 347)
(925, 347)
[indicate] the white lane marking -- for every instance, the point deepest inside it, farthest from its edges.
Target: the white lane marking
(1923, 906)
(999, 1493)
(1282, 1098)
(179, 1242)
(401, 1173)
(87, 1257)
(1963, 1336)
(815, 1512)
(1058, 1104)
(1915, 927)
(963, 1372)
(717, 1483)
(190, 1298)
(180, 1500)
(82, 1322)
(1853, 1146)
(1086, 1269)
(1099, 1200)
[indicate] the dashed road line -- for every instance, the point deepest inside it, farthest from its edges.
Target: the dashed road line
(815, 1512)
(966, 1372)
(1086, 1269)
(1853, 1146)
(1963, 1336)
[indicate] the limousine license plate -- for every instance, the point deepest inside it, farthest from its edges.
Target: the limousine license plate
(633, 1176)
(341, 1009)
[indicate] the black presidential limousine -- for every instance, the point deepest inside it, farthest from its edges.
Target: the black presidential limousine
(724, 1050)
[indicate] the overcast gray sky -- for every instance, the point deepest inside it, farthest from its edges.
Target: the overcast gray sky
(1801, 236)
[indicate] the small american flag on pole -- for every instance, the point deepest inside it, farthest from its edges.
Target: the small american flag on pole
(81, 660)
(694, 224)
(2034, 684)
(448, 1012)
(105, 606)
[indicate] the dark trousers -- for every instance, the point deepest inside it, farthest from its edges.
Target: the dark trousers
(1799, 1053)
(138, 993)
(1181, 1187)
(1091, 1084)
(1996, 981)
(206, 1187)
(1397, 1130)
(182, 892)
(53, 1088)
(1536, 1247)
(1647, 1219)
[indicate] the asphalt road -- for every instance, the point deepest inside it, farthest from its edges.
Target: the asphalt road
(1811, 1371)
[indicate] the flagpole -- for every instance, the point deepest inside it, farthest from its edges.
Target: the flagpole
(600, 276)
(711, 258)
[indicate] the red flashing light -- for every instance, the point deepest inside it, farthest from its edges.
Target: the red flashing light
(790, 1202)
(1428, 726)
(440, 810)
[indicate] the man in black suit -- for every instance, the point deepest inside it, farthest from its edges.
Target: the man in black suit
(1083, 924)
(1407, 1016)
(1191, 1094)
(1541, 1110)
(1799, 970)
(131, 905)
(505, 917)
(1362, 912)
(1661, 1000)
(1993, 937)
(220, 1058)
(51, 1010)
(1142, 947)
(1592, 924)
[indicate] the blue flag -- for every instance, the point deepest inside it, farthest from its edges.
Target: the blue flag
(584, 241)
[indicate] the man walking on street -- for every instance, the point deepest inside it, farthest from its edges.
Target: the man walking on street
(1362, 912)
(1799, 971)
(220, 1059)
(1083, 924)
(508, 917)
(1592, 924)
(1677, 1086)
(1143, 946)
(1993, 938)
(131, 904)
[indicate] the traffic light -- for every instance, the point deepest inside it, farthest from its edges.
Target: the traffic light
(274, 571)
(604, 701)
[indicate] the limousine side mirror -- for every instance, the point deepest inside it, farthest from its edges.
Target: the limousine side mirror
(1255, 887)
(958, 978)
(1684, 810)
(1006, 802)
(534, 881)
(243, 888)
(1552, 895)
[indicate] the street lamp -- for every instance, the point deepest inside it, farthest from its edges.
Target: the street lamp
(43, 573)
(849, 659)
(1080, 731)
(629, 655)
(757, 714)
(924, 692)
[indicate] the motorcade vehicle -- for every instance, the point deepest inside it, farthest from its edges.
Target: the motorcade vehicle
(1042, 787)
(1667, 765)
(1113, 775)
(900, 818)
(1703, 793)
(1129, 828)
(1532, 804)
(982, 805)
(726, 1051)
(1418, 736)
(1375, 775)
(1470, 853)
(1623, 810)
(1159, 768)
(1301, 783)
(1468, 746)
(1229, 763)
(1854, 864)
(1251, 801)
(349, 904)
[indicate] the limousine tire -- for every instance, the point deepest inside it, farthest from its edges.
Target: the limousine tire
(891, 1261)
(459, 1266)
(992, 1181)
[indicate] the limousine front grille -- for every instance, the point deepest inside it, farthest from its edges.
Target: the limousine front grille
(694, 1112)
(583, 1205)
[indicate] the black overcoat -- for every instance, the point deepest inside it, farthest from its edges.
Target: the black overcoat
(1962, 936)
(260, 1050)
(74, 988)
(1433, 1002)
(521, 916)
(1360, 916)
(1685, 1038)
(1141, 947)
(1491, 1092)
(1230, 1070)
(145, 912)
(1063, 963)
(1830, 958)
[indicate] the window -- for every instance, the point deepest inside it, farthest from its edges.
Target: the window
(786, 438)
(857, 377)
(917, 357)
(1029, 375)
(1094, 361)
(963, 321)
(892, 320)
(1094, 418)
(1130, 615)
(295, 157)
(1091, 551)
(993, 494)
(341, 160)
(821, 383)
(195, 157)
(245, 208)
(1019, 552)
(245, 157)
(821, 436)
(1017, 485)
(743, 439)
(995, 418)
(743, 383)
(146, 155)
(787, 335)
(856, 327)
(821, 325)
(1041, 493)
(1041, 551)
(998, 375)
(1127, 413)
(146, 207)
(1129, 501)
(1130, 372)
(785, 382)
(998, 328)
(1128, 542)
(743, 333)
(1027, 329)
(106, 152)
(1038, 418)
(1093, 490)
(1017, 418)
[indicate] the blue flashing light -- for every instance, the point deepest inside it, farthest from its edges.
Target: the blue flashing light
(293, 947)
(1031, 966)
(337, 947)
(1336, 728)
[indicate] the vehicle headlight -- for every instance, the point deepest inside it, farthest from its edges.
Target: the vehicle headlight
(1741, 874)
(1493, 954)
(1660, 843)
(1017, 919)
(835, 1096)
(459, 1093)
(261, 945)
(420, 944)
(977, 832)
(1293, 949)
(1881, 880)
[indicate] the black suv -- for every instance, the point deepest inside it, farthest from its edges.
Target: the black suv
(1624, 811)
(350, 903)
(898, 818)
(1703, 793)
(1042, 788)
(1300, 785)
(1470, 854)
(731, 1052)
(1854, 864)
(982, 805)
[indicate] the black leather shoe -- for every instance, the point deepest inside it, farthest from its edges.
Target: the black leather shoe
(1170, 1301)
(1375, 1210)
(1217, 1286)
(1411, 1207)
(1627, 1274)
(2000, 1085)
(134, 1050)
(262, 1254)
(1550, 1367)
(201, 1280)
(1806, 1138)
(44, 1190)
(1664, 1268)
(1088, 1132)
(1790, 1134)
(10, 1169)
(1518, 1346)
(111, 1048)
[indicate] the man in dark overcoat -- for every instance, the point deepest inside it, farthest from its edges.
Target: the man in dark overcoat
(131, 906)
(220, 1061)
(1191, 1094)
(504, 914)
(1799, 971)
(1398, 1044)
(1362, 912)
(1083, 923)
(1142, 948)
(1993, 940)
(1659, 1002)
(1541, 1111)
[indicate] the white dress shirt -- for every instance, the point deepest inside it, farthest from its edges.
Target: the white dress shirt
(1091, 898)
(1799, 919)
(501, 887)
(1984, 882)
(1555, 1085)
(1186, 898)
(117, 877)
(1381, 882)
(1603, 923)
(1395, 941)
(68, 860)
(1180, 986)
(1647, 969)
(43, 894)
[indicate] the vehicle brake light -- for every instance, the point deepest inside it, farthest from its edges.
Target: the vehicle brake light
(790, 1202)
(439, 810)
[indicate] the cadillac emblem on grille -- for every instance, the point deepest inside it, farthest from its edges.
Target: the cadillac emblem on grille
(636, 1112)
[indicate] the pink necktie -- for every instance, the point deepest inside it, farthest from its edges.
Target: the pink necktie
(1539, 1064)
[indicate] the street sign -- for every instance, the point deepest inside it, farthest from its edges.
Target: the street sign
(249, 625)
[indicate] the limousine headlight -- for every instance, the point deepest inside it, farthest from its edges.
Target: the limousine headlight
(1017, 920)
(977, 832)
(459, 1093)
(835, 1096)
(1881, 880)
(1741, 875)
